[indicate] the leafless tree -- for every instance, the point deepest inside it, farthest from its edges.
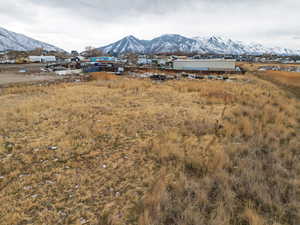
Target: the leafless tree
(92, 52)
(37, 51)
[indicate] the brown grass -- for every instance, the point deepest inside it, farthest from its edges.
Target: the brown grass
(289, 81)
(255, 66)
(136, 152)
(287, 78)
(103, 76)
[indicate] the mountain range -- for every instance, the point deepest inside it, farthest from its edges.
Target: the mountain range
(176, 43)
(164, 44)
(18, 42)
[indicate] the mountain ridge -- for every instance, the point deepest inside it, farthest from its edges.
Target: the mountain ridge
(177, 43)
(10, 40)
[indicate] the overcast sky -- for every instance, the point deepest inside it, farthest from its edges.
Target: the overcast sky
(74, 24)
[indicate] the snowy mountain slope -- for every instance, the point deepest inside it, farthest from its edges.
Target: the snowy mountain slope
(13, 41)
(164, 43)
(170, 43)
(127, 44)
(175, 43)
(221, 46)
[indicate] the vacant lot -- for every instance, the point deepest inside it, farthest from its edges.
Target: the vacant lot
(125, 151)
(14, 78)
(33, 67)
(9, 74)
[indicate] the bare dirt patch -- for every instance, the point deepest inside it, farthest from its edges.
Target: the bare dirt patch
(10, 74)
(14, 78)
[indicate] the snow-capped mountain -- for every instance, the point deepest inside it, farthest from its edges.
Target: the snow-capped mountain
(175, 43)
(170, 43)
(13, 41)
(164, 43)
(127, 44)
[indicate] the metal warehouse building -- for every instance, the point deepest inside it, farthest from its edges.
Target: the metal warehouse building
(205, 64)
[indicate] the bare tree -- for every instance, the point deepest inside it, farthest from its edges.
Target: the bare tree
(74, 53)
(37, 51)
(2, 57)
(92, 52)
(132, 57)
(13, 55)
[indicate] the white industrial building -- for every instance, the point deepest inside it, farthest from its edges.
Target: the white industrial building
(42, 58)
(204, 64)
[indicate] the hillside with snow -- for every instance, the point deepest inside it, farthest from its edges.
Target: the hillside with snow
(18, 42)
(177, 43)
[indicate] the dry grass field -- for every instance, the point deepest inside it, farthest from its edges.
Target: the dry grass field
(287, 78)
(289, 81)
(255, 66)
(131, 151)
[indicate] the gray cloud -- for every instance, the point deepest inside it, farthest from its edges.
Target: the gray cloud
(75, 24)
(12, 9)
(111, 10)
(114, 10)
